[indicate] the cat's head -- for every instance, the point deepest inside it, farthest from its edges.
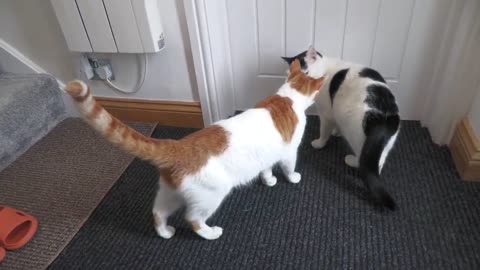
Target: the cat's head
(311, 62)
(301, 82)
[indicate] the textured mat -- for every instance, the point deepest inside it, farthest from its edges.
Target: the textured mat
(60, 180)
(323, 222)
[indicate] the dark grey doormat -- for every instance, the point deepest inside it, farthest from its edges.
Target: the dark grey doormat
(321, 223)
(60, 180)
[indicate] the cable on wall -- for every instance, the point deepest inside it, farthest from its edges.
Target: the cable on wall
(139, 85)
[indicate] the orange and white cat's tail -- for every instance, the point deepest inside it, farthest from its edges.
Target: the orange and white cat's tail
(113, 129)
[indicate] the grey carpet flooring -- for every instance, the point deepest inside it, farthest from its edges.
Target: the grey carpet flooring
(324, 222)
(60, 180)
(35, 101)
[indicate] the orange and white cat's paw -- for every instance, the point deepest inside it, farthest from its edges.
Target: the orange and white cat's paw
(210, 233)
(269, 181)
(294, 177)
(319, 143)
(165, 232)
(351, 161)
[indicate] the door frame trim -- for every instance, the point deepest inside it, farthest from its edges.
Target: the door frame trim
(210, 45)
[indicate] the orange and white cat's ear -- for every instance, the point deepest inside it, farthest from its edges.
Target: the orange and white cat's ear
(295, 66)
(317, 84)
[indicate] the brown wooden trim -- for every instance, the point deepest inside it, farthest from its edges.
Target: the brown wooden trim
(168, 113)
(465, 148)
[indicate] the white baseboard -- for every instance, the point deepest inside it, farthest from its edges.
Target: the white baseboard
(22, 62)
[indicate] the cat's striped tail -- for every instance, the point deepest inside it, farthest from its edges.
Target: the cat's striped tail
(113, 129)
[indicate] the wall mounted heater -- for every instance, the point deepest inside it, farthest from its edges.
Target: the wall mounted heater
(110, 26)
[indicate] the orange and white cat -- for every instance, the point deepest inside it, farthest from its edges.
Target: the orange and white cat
(199, 170)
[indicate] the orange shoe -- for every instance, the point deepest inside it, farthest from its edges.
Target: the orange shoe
(16, 229)
(2, 254)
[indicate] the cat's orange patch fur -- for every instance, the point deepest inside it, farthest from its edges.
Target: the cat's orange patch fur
(282, 113)
(301, 82)
(175, 158)
(192, 153)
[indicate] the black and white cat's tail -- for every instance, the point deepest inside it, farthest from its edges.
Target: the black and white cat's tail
(379, 129)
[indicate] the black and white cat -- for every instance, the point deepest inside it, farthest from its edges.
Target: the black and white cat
(355, 101)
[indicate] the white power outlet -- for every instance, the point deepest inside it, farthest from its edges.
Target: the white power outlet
(104, 72)
(96, 69)
(101, 69)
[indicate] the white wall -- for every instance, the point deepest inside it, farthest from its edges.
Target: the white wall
(31, 27)
(474, 114)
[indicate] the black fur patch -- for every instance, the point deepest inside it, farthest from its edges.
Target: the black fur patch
(373, 120)
(337, 80)
(372, 74)
(301, 58)
(380, 98)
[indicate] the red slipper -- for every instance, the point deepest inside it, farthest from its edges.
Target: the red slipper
(2, 254)
(16, 228)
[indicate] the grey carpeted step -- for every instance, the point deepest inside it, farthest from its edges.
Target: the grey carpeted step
(30, 106)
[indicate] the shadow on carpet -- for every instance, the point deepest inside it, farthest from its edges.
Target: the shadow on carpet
(324, 222)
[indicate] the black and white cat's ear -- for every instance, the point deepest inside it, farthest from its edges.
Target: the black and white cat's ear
(289, 60)
(312, 55)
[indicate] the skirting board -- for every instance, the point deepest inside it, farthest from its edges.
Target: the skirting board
(167, 113)
(465, 149)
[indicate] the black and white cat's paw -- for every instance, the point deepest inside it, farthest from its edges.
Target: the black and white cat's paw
(294, 177)
(319, 143)
(269, 180)
(351, 161)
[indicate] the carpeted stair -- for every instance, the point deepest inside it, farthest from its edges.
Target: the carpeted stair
(30, 106)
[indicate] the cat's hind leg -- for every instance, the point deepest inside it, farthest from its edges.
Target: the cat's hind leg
(326, 127)
(202, 202)
(351, 160)
(166, 203)
(268, 178)
(355, 141)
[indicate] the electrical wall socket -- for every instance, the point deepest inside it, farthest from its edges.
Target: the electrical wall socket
(88, 70)
(104, 62)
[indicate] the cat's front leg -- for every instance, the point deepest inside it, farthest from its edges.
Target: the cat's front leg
(288, 167)
(326, 127)
(268, 178)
